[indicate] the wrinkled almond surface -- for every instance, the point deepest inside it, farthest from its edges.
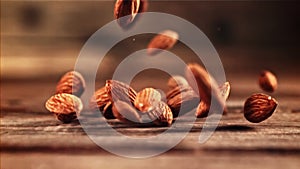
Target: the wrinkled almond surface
(161, 114)
(147, 99)
(72, 83)
(125, 112)
(258, 107)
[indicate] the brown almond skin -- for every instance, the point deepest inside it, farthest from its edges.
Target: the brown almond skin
(207, 88)
(65, 106)
(182, 99)
(164, 40)
(258, 107)
(72, 83)
(125, 112)
(117, 90)
(147, 99)
(129, 8)
(101, 101)
(161, 115)
(267, 81)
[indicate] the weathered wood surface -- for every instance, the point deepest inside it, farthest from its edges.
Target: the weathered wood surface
(32, 138)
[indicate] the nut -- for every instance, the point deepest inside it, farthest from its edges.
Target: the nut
(64, 106)
(182, 99)
(164, 40)
(175, 81)
(267, 81)
(125, 112)
(258, 107)
(101, 101)
(202, 110)
(207, 88)
(129, 8)
(161, 114)
(147, 99)
(120, 91)
(72, 83)
(225, 90)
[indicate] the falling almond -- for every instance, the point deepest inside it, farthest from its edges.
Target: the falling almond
(206, 87)
(164, 40)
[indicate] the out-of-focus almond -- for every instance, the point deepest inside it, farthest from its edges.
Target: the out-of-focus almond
(176, 81)
(72, 83)
(65, 106)
(182, 99)
(258, 107)
(225, 90)
(267, 81)
(125, 112)
(117, 90)
(164, 40)
(161, 114)
(147, 99)
(207, 88)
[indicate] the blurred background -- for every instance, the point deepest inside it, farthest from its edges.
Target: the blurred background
(40, 41)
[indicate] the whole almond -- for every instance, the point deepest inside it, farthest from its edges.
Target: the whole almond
(147, 99)
(72, 83)
(207, 88)
(182, 99)
(101, 101)
(164, 40)
(267, 81)
(117, 90)
(176, 81)
(161, 114)
(129, 8)
(65, 106)
(125, 112)
(258, 107)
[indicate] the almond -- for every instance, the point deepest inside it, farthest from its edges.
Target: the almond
(225, 90)
(164, 40)
(207, 88)
(125, 112)
(161, 114)
(258, 107)
(147, 99)
(129, 8)
(64, 106)
(101, 101)
(72, 83)
(117, 90)
(267, 81)
(182, 99)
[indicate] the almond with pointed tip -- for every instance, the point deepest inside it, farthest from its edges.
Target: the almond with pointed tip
(207, 88)
(164, 40)
(65, 106)
(258, 107)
